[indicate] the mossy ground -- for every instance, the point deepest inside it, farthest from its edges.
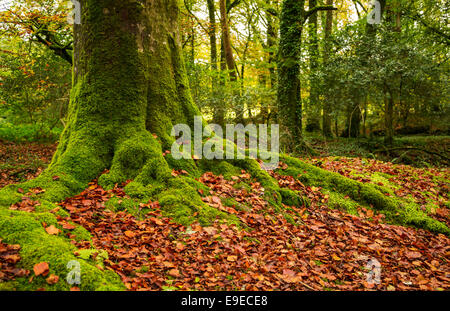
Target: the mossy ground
(180, 197)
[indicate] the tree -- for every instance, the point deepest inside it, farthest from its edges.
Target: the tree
(313, 116)
(129, 82)
(326, 106)
(226, 40)
(43, 21)
(292, 20)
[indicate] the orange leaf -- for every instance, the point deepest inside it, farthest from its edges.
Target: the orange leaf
(52, 230)
(41, 268)
(174, 273)
(52, 279)
(129, 234)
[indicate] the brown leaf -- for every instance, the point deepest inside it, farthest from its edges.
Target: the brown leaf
(52, 279)
(41, 268)
(129, 234)
(174, 273)
(52, 230)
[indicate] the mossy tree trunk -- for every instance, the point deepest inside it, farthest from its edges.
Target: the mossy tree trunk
(364, 53)
(289, 97)
(313, 111)
(129, 82)
(292, 20)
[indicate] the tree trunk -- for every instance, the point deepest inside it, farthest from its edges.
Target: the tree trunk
(313, 111)
(326, 121)
(289, 99)
(219, 111)
(212, 37)
(272, 35)
(129, 82)
(227, 41)
(388, 117)
(354, 112)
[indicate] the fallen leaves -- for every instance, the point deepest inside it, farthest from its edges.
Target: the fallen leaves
(9, 257)
(41, 269)
(425, 186)
(20, 161)
(318, 249)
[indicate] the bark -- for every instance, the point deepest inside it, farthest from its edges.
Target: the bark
(293, 17)
(388, 117)
(219, 111)
(212, 38)
(272, 36)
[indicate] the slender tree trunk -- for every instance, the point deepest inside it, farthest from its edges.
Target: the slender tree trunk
(289, 99)
(313, 108)
(219, 110)
(354, 111)
(272, 36)
(326, 121)
(227, 40)
(212, 37)
(388, 117)
(293, 17)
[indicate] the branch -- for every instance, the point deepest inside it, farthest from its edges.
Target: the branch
(418, 18)
(61, 51)
(232, 5)
(414, 148)
(319, 8)
(195, 17)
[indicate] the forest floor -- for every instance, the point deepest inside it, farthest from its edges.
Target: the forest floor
(328, 249)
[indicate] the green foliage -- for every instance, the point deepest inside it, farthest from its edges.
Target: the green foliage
(28, 132)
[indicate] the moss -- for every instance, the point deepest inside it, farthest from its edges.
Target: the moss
(242, 185)
(183, 164)
(93, 256)
(183, 203)
(81, 234)
(195, 184)
(373, 196)
(139, 191)
(26, 229)
(231, 202)
(9, 195)
(291, 198)
(340, 201)
(219, 167)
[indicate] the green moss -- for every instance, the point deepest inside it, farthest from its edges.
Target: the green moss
(181, 202)
(340, 201)
(231, 202)
(219, 167)
(373, 196)
(81, 234)
(37, 246)
(94, 256)
(242, 185)
(291, 198)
